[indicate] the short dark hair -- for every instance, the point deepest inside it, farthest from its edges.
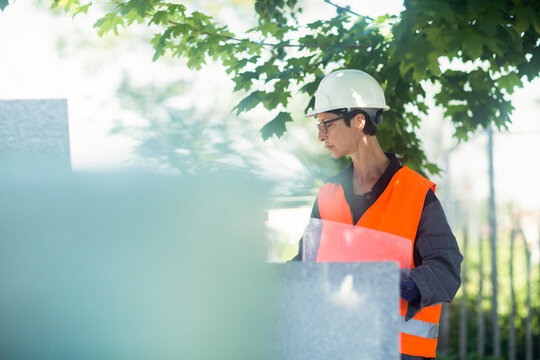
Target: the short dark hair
(369, 128)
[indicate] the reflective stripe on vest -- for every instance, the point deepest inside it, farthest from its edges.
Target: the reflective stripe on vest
(397, 211)
(418, 328)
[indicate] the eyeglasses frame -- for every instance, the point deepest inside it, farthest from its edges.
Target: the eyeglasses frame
(321, 126)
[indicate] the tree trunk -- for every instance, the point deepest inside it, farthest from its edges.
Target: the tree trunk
(480, 310)
(528, 329)
(463, 310)
(444, 323)
(493, 241)
(512, 320)
(444, 330)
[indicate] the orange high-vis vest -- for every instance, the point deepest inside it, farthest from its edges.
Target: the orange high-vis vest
(397, 211)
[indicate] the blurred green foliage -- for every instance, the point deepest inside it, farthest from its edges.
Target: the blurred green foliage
(191, 141)
(279, 57)
(181, 140)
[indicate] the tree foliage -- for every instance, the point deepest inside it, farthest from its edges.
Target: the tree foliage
(496, 42)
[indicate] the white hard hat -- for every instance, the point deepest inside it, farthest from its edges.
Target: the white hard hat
(348, 89)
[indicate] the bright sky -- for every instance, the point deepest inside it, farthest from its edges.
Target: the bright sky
(32, 67)
(371, 8)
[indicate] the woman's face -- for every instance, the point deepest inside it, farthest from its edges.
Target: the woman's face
(339, 139)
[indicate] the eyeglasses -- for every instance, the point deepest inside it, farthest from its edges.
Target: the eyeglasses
(321, 126)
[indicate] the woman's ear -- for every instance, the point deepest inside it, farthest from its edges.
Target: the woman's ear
(359, 121)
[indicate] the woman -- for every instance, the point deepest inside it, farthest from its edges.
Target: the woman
(375, 191)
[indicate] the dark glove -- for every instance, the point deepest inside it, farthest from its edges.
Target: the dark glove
(408, 289)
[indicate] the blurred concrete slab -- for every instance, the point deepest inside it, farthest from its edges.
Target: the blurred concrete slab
(336, 311)
(132, 266)
(35, 133)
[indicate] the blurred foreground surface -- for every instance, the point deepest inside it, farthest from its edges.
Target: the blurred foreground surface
(140, 266)
(131, 266)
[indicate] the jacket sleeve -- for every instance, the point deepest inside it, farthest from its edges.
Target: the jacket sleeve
(437, 259)
(314, 215)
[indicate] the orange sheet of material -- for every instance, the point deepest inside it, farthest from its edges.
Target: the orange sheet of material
(348, 243)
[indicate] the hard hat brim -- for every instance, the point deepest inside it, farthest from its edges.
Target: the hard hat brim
(319, 111)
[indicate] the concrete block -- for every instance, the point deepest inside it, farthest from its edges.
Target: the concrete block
(336, 311)
(34, 133)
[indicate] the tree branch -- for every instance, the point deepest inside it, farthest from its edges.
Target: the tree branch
(276, 45)
(346, 9)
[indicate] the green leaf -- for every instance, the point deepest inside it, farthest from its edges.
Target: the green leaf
(472, 46)
(432, 168)
(68, 5)
(272, 100)
(509, 82)
(315, 25)
(287, 74)
(268, 28)
(310, 105)
(276, 126)
(310, 88)
(160, 43)
(268, 68)
(160, 18)
(81, 9)
(137, 8)
(244, 80)
(433, 64)
(453, 110)
(249, 102)
(3, 4)
(109, 22)
(422, 108)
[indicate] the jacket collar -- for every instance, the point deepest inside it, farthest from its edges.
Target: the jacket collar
(345, 177)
